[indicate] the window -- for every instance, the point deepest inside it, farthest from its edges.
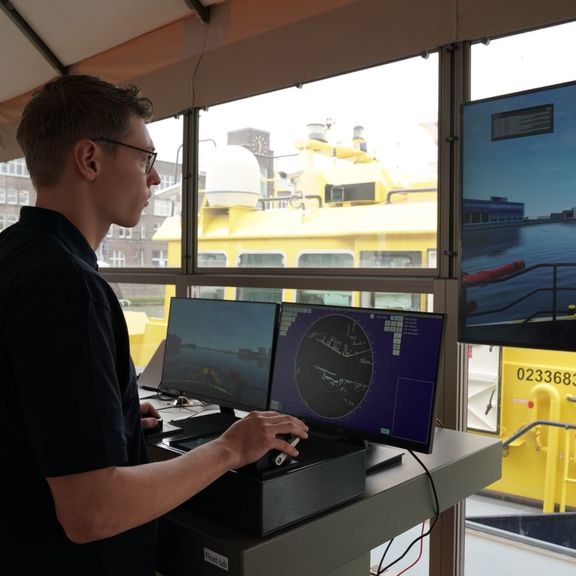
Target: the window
(162, 208)
(389, 259)
(264, 260)
(167, 180)
(325, 260)
(401, 259)
(301, 182)
(512, 387)
(165, 202)
(118, 259)
(396, 301)
(145, 308)
(24, 197)
(311, 170)
(12, 197)
(210, 260)
(159, 258)
(2, 195)
(2, 221)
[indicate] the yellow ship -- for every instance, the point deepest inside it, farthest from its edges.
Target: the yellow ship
(350, 213)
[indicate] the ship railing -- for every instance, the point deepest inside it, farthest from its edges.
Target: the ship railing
(295, 201)
(551, 461)
(554, 289)
(527, 427)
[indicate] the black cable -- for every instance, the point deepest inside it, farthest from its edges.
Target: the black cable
(422, 536)
(384, 556)
(200, 57)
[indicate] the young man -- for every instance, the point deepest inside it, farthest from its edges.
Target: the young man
(77, 495)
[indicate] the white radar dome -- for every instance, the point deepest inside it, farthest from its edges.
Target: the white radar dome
(233, 178)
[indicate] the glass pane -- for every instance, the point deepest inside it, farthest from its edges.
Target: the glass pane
(210, 260)
(517, 524)
(386, 300)
(15, 191)
(215, 292)
(147, 244)
(326, 261)
(261, 260)
(333, 298)
(387, 259)
(318, 171)
(483, 388)
(259, 294)
(146, 309)
(397, 301)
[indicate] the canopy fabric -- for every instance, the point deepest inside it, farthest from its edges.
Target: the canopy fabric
(247, 47)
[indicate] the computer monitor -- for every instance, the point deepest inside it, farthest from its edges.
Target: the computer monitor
(220, 351)
(360, 373)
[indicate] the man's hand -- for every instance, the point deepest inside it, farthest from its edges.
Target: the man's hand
(257, 433)
(149, 415)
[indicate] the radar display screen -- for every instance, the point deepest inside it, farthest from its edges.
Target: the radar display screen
(334, 361)
(220, 351)
(365, 373)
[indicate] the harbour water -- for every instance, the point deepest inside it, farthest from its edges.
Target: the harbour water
(536, 245)
(222, 374)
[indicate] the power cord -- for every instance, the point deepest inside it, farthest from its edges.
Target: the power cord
(423, 534)
(419, 552)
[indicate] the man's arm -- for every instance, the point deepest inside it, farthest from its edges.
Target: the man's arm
(105, 502)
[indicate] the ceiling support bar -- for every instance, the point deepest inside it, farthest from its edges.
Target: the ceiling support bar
(201, 10)
(26, 29)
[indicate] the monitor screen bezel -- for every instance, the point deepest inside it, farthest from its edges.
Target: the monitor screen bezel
(219, 401)
(356, 434)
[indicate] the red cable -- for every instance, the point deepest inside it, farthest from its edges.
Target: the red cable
(419, 553)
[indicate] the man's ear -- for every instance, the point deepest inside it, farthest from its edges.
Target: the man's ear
(86, 159)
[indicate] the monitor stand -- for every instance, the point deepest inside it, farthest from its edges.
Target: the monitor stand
(379, 456)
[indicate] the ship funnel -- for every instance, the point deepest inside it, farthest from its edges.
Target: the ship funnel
(358, 139)
(233, 178)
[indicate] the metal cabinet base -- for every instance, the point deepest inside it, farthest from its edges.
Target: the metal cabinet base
(327, 473)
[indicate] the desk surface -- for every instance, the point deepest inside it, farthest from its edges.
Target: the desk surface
(396, 499)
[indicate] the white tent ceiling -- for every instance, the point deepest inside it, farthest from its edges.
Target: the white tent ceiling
(73, 31)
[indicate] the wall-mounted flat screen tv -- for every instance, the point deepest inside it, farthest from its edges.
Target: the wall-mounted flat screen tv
(518, 242)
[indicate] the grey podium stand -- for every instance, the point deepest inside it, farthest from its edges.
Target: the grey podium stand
(337, 542)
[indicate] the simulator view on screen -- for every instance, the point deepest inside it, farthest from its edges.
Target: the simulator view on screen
(364, 373)
(518, 283)
(220, 351)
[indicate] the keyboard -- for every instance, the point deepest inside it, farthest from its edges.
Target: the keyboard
(205, 424)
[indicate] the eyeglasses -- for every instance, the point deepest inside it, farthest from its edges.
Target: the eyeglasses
(150, 156)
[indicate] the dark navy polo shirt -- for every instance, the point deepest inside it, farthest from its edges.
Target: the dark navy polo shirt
(68, 396)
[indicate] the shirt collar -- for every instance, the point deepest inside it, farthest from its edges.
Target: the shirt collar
(58, 225)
